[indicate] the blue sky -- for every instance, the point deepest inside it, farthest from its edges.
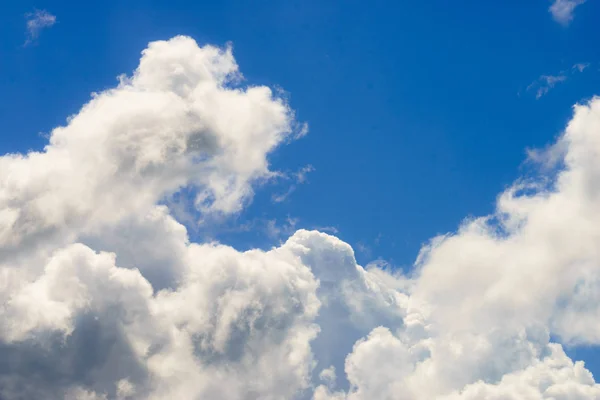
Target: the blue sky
(419, 112)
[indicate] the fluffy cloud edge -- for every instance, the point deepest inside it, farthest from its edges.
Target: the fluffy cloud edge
(91, 261)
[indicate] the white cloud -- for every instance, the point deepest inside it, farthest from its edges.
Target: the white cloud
(490, 296)
(104, 296)
(562, 10)
(298, 178)
(36, 22)
(165, 128)
(581, 66)
(328, 375)
(327, 229)
(545, 83)
(301, 175)
(276, 230)
(97, 183)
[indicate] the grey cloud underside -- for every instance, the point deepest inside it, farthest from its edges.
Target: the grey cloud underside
(104, 296)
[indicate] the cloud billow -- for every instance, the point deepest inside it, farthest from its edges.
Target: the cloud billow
(104, 295)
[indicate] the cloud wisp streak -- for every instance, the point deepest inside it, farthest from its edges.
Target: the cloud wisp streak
(298, 178)
(545, 83)
(36, 22)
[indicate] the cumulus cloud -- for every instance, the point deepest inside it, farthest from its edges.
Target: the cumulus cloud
(104, 296)
(36, 22)
(562, 10)
(487, 299)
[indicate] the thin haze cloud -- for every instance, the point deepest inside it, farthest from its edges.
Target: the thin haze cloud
(299, 177)
(581, 66)
(562, 10)
(545, 83)
(36, 22)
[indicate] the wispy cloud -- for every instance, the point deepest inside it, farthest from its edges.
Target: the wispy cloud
(363, 249)
(36, 22)
(276, 230)
(545, 83)
(298, 178)
(581, 66)
(327, 229)
(562, 10)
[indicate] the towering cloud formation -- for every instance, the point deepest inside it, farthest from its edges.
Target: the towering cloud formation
(103, 296)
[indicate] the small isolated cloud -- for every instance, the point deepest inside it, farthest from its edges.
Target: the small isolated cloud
(562, 10)
(301, 131)
(363, 249)
(328, 376)
(545, 83)
(298, 178)
(276, 230)
(36, 21)
(581, 66)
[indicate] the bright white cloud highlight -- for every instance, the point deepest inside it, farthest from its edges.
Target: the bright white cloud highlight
(104, 296)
